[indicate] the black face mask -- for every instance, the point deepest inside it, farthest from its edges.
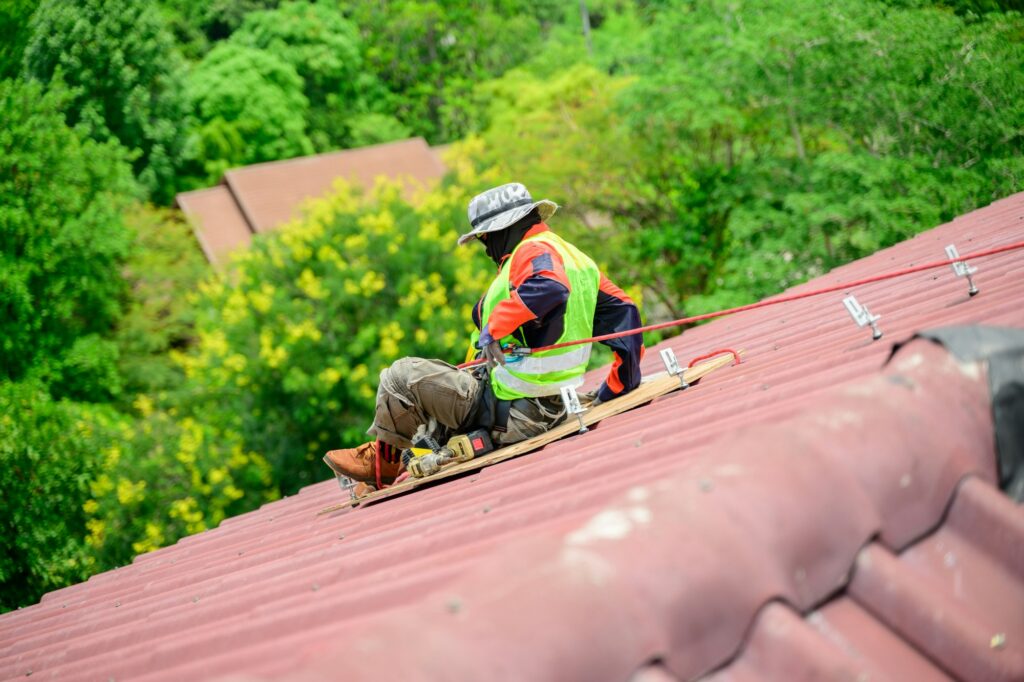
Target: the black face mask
(501, 243)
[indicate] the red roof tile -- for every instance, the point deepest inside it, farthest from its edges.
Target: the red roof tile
(802, 515)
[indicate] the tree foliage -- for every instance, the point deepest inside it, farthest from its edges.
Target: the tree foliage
(125, 78)
(49, 451)
(62, 242)
(432, 54)
(14, 33)
(163, 263)
(347, 102)
(777, 141)
(249, 107)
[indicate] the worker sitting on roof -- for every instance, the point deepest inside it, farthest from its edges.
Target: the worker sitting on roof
(546, 292)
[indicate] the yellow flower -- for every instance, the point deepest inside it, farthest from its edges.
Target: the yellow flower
(359, 373)
(306, 329)
(356, 242)
(235, 308)
(101, 486)
(144, 405)
(311, 285)
(371, 283)
(236, 363)
(154, 539)
(214, 343)
(329, 377)
(270, 354)
(96, 528)
(262, 300)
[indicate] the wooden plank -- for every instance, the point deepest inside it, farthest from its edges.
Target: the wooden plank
(654, 387)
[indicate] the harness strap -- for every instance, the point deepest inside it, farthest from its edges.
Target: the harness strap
(501, 412)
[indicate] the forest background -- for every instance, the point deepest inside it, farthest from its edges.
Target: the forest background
(706, 152)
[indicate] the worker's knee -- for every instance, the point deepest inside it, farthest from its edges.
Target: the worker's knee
(400, 374)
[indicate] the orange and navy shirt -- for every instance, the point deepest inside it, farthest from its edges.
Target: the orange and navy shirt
(534, 312)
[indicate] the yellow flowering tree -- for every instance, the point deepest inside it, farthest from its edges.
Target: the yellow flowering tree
(162, 478)
(292, 338)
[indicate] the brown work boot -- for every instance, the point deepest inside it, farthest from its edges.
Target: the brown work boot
(360, 463)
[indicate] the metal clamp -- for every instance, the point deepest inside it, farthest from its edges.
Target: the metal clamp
(862, 316)
(572, 405)
(348, 486)
(673, 368)
(962, 269)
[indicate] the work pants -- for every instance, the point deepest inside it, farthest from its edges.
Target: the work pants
(415, 393)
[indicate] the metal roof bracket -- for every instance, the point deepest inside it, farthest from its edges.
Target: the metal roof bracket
(672, 366)
(348, 486)
(962, 269)
(572, 405)
(862, 316)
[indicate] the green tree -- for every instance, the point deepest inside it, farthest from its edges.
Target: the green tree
(250, 108)
(164, 264)
(432, 54)
(818, 131)
(14, 33)
(125, 78)
(324, 49)
(162, 478)
(62, 243)
(198, 26)
(48, 453)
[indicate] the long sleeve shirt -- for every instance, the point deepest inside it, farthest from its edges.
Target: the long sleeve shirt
(534, 312)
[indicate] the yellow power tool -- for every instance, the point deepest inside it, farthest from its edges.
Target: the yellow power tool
(426, 457)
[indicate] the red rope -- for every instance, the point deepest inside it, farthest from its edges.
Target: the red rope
(735, 356)
(376, 452)
(775, 301)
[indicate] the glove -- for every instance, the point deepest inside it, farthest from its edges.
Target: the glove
(490, 348)
(590, 399)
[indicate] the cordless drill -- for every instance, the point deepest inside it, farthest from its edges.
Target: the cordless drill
(426, 456)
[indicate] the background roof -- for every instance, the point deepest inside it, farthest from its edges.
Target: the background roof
(263, 196)
(799, 516)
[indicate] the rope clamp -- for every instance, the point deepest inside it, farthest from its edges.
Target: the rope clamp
(571, 400)
(348, 486)
(668, 356)
(962, 269)
(862, 316)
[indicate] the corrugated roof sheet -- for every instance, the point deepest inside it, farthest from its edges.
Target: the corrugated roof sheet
(799, 516)
(263, 196)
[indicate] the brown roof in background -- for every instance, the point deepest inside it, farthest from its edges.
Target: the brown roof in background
(217, 221)
(263, 196)
(269, 193)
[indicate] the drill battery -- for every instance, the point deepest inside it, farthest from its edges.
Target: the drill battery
(426, 456)
(469, 445)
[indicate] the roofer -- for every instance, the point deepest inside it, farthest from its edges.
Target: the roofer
(546, 292)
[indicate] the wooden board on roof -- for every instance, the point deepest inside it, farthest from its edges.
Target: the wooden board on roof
(654, 387)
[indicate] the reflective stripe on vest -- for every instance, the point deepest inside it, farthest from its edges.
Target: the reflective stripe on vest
(545, 373)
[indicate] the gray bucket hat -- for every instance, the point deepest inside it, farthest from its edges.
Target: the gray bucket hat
(500, 207)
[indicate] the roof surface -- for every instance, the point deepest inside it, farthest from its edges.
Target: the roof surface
(803, 515)
(217, 221)
(261, 197)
